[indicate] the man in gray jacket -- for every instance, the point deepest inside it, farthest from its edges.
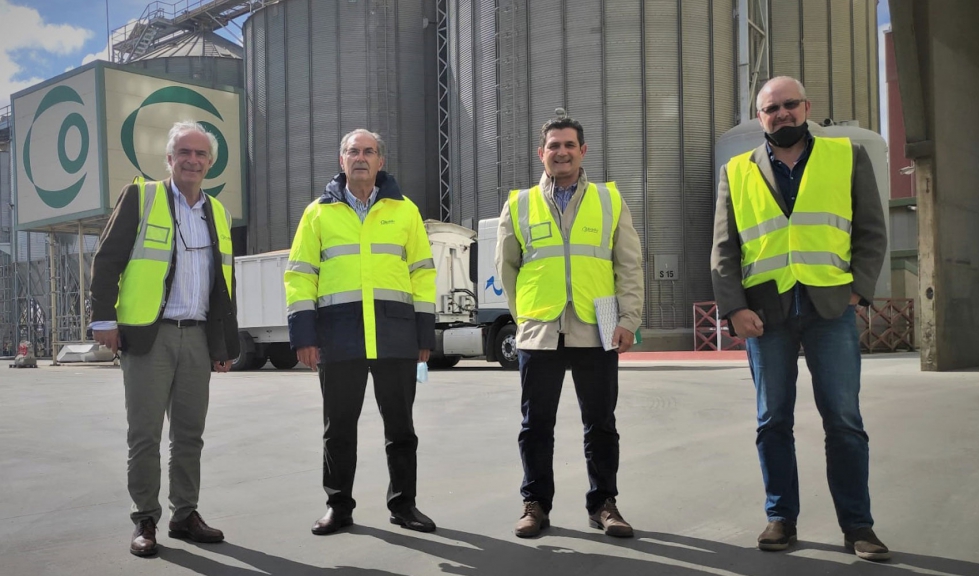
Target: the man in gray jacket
(799, 241)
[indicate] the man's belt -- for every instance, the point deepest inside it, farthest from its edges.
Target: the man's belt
(184, 323)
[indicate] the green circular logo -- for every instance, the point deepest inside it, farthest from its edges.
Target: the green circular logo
(63, 197)
(179, 95)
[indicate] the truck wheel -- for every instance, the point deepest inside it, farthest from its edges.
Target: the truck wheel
(259, 361)
(246, 353)
(443, 362)
(283, 357)
(506, 347)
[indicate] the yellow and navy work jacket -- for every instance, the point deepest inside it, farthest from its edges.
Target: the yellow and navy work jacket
(145, 283)
(812, 245)
(361, 290)
(555, 271)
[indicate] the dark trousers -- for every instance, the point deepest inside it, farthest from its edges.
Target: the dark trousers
(343, 385)
(596, 380)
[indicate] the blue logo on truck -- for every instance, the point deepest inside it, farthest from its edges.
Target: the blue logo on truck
(491, 283)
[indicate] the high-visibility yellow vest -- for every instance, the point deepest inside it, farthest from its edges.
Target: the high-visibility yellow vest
(812, 245)
(337, 259)
(142, 285)
(555, 271)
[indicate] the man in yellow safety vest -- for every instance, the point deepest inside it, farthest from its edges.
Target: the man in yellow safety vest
(562, 245)
(360, 294)
(799, 241)
(162, 286)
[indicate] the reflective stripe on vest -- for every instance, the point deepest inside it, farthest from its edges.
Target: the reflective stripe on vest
(142, 285)
(222, 225)
(812, 245)
(549, 261)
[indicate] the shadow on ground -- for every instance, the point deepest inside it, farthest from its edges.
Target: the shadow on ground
(663, 555)
(257, 562)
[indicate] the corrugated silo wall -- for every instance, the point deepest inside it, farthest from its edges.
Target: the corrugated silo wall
(653, 83)
(831, 45)
(315, 70)
(211, 71)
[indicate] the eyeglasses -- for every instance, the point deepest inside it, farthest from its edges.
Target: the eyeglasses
(186, 247)
(788, 105)
(354, 152)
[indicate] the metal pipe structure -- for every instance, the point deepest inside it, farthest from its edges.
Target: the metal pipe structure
(53, 316)
(81, 283)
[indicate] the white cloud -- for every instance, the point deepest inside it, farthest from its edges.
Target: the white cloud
(23, 28)
(105, 53)
(100, 55)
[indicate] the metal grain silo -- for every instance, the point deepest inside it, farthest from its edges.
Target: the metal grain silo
(204, 58)
(831, 45)
(655, 83)
(315, 70)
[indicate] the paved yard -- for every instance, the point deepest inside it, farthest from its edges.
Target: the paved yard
(689, 479)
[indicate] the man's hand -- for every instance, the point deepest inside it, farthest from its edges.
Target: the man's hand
(309, 355)
(622, 339)
(854, 299)
(747, 324)
(222, 365)
(108, 338)
(423, 355)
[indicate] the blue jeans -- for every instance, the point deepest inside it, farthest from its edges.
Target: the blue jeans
(596, 380)
(832, 352)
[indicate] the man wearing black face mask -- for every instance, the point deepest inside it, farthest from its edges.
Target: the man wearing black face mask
(799, 241)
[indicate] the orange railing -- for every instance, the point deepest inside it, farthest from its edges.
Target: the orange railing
(887, 325)
(710, 331)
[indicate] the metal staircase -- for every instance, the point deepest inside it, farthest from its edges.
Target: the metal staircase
(164, 22)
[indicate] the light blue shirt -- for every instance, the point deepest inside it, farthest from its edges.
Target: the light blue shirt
(361, 208)
(193, 276)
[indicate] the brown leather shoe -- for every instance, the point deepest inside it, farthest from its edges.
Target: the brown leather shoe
(144, 538)
(194, 528)
(777, 536)
(534, 520)
(865, 544)
(609, 519)
(332, 521)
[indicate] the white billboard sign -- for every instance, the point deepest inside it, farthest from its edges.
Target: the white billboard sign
(56, 151)
(80, 138)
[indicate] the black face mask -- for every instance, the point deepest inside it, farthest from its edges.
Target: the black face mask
(787, 136)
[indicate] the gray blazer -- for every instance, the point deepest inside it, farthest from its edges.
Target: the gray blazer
(868, 238)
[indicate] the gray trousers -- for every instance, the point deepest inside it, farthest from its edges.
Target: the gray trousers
(173, 380)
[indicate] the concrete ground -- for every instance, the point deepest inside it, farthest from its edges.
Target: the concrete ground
(689, 479)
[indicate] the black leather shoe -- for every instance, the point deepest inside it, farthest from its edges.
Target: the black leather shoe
(412, 519)
(144, 538)
(332, 521)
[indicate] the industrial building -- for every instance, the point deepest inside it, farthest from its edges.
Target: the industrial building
(458, 89)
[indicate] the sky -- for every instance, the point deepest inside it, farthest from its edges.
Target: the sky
(40, 39)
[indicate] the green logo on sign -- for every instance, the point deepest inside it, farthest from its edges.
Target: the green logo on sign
(63, 197)
(179, 95)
